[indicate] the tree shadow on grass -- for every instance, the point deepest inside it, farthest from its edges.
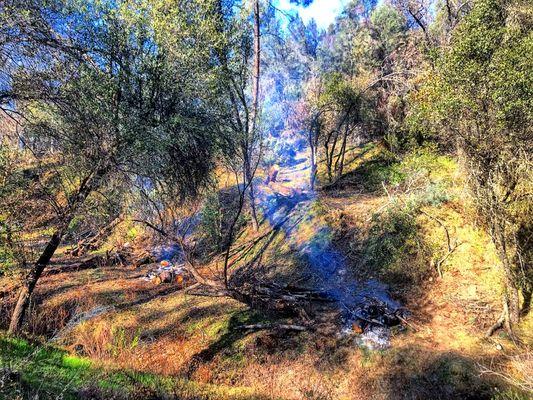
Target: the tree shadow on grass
(367, 177)
(178, 325)
(231, 335)
(417, 373)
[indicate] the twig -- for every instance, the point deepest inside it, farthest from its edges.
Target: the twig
(402, 319)
(287, 327)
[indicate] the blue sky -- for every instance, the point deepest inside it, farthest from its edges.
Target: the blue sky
(323, 11)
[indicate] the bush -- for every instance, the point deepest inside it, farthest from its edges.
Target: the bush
(395, 249)
(211, 223)
(8, 251)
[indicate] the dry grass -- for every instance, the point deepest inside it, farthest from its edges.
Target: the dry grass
(159, 329)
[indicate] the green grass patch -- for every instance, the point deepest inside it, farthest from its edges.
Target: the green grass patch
(29, 370)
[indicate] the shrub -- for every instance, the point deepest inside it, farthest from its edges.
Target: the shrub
(395, 249)
(211, 223)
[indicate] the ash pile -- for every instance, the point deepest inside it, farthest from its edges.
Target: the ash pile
(373, 321)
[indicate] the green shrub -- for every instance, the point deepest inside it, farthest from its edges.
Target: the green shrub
(394, 248)
(8, 256)
(510, 394)
(124, 339)
(211, 223)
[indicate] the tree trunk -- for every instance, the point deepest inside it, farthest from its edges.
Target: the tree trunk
(86, 187)
(257, 67)
(339, 163)
(511, 289)
(312, 177)
(255, 110)
(248, 180)
(511, 300)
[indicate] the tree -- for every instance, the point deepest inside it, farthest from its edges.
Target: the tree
(482, 100)
(254, 133)
(103, 89)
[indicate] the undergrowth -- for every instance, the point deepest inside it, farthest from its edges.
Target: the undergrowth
(44, 372)
(395, 246)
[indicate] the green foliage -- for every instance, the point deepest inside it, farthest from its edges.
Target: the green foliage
(211, 222)
(382, 168)
(510, 394)
(427, 175)
(338, 92)
(394, 248)
(140, 98)
(123, 340)
(132, 233)
(8, 260)
(389, 29)
(12, 184)
(481, 99)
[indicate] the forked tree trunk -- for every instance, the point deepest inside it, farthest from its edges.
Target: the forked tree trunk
(89, 184)
(339, 163)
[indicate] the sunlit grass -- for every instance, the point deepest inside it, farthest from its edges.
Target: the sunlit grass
(48, 372)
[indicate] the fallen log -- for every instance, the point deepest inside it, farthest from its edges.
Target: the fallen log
(281, 300)
(91, 262)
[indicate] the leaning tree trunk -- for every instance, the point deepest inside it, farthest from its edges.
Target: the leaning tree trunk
(89, 184)
(339, 163)
(248, 180)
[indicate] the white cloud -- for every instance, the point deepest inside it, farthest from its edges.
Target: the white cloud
(322, 11)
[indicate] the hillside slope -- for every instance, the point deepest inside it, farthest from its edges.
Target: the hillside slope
(388, 217)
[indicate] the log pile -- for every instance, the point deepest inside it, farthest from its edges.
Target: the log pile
(84, 263)
(287, 300)
(120, 257)
(165, 272)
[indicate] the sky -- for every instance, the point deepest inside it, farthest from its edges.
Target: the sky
(323, 11)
